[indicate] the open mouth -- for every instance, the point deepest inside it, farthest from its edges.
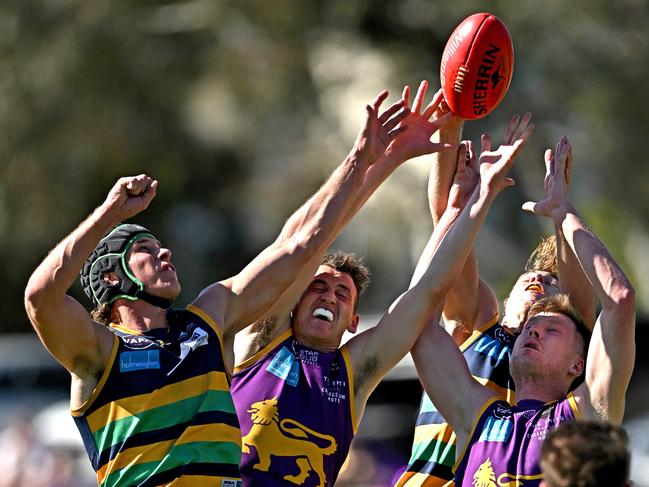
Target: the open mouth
(531, 345)
(537, 288)
(167, 267)
(323, 314)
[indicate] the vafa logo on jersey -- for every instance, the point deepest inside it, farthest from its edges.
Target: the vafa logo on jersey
(137, 342)
(142, 359)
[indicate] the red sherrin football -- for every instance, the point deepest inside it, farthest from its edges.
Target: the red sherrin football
(477, 66)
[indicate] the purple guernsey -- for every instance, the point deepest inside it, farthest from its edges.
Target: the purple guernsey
(505, 444)
(294, 405)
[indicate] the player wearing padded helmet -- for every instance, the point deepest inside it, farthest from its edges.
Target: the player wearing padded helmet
(150, 391)
(110, 256)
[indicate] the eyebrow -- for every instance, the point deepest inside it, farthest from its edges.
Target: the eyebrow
(147, 241)
(551, 319)
(337, 286)
(345, 287)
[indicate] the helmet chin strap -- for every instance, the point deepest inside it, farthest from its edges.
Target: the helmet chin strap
(154, 300)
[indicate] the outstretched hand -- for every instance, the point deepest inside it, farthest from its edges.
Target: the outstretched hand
(495, 165)
(380, 128)
(130, 195)
(557, 174)
(466, 176)
(418, 128)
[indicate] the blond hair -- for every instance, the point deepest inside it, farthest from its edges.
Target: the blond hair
(544, 257)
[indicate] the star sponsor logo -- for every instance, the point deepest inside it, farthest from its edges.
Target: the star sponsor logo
(309, 357)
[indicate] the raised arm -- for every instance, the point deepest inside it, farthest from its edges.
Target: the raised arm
(378, 151)
(470, 303)
(443, 164)
(377, 128)
(572, 279)
(62, 323)
(377, 350)
(611, 354)
(464, 181)
(442, 171)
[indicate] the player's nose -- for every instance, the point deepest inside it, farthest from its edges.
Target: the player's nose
(536, 278)
(164, 254)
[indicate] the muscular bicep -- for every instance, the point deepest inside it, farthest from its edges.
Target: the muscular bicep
(245, 298)
(376, 351)
(609, 365)
(80, 344)
(445, 376)
(574, 282)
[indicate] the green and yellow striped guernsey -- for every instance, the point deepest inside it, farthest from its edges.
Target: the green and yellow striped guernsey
(162, 413)
(487, 353)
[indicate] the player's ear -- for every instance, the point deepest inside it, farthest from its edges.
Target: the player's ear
(110, 278)
(578, 367)
(353, 325)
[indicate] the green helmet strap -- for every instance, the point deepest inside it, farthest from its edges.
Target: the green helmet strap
(110, 256)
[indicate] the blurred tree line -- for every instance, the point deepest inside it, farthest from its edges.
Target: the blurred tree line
(241, 109)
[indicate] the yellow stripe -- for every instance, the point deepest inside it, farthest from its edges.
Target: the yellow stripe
(207, 319)
(155, 452)
(133, 456)
(263, 352)
(350, 383)
(504, 393)
(477, 417)
(428, 432)
(217, 329)
(125, 329)
(199, 481)
(131, 406)
(573, 405)
(102, 381)
(478, 333)
(418, 479)
(210, 432)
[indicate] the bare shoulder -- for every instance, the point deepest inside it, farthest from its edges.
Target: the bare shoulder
(76, 341)
(93, 361)
(213, 300)
(255, 338)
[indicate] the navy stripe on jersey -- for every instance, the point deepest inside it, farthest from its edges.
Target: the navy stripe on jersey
(170, 433)
(207, 469)
(436, 469)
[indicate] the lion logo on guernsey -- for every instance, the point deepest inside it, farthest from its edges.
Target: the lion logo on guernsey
(486, 477)
(269, 437)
